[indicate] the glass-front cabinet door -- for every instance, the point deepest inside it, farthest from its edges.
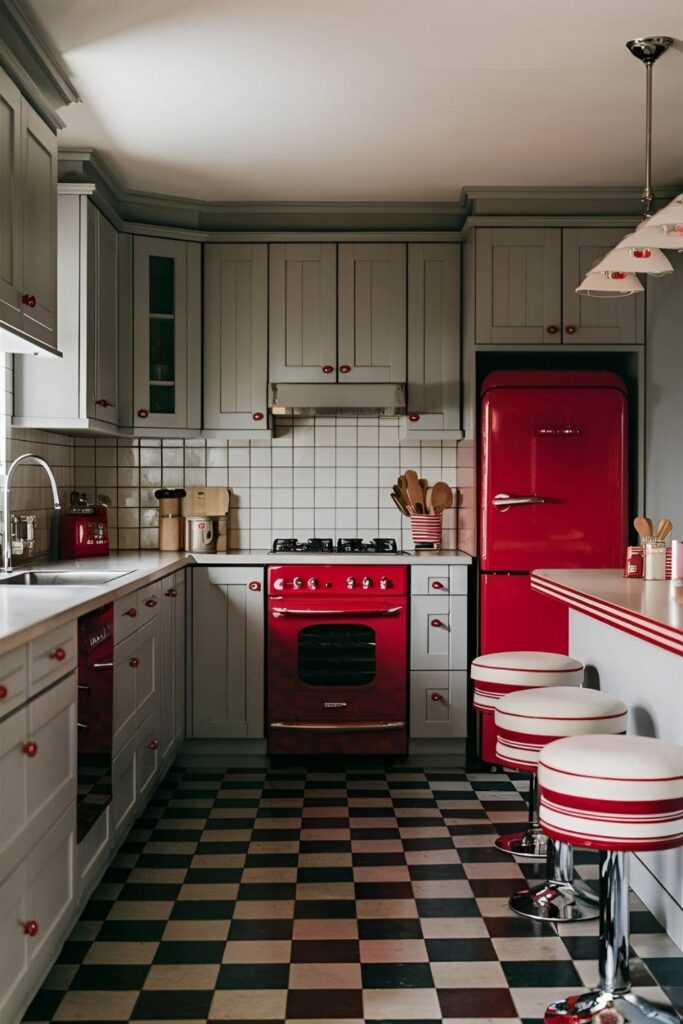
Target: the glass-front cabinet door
(166, 345)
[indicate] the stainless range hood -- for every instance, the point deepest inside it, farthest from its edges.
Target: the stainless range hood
(338, 399)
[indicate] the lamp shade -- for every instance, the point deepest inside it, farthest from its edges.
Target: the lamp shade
(669, 215)
(609, 284)
(659, 236)
(633, 256)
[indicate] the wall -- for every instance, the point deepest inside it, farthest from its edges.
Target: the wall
(326, 477)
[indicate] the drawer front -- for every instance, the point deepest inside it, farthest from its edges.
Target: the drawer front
(126, 667)
(126, 619)
(13, 679)
(52, 874)
(438, 579)
(14, 943)
(438, 704)
(52, 656)
(429, 633)
(149, 599)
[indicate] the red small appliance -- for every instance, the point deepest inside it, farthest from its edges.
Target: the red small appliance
(83, 529)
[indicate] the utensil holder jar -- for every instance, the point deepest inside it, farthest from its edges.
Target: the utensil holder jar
(426, 530)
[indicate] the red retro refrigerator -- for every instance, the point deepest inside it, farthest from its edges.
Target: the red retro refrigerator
(553, 495)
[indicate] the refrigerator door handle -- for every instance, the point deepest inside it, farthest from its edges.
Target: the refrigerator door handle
(505, 501)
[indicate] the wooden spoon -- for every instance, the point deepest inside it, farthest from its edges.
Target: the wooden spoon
(643, 526)
(424, 484)
(415, 492)
(429, 505)
(442, 497)
(664, 528)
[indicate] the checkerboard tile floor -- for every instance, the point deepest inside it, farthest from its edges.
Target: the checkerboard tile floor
(296, 895)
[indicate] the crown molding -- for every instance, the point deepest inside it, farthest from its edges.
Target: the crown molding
(558, 201)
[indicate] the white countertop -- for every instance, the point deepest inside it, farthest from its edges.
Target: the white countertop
(651, 610)
(27, 612)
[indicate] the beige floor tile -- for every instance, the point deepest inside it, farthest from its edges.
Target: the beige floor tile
(196, 931)
(319, 835)
(168, 876)
(121, 953)
(376, 846)
(92, 1006)
(179, 824)
(458, 805)
(380, 823)
(454, 928)
(432, 857)
(578, 928)
(495, 906)
(401, 1004)
(325, 860)
(470, 974)
(433, 832)
(324, 812)
(369, 801)
(271, 802)
(469, 841)
(212, 891)
(393, 951)
(386, 908)
(655, 944)
(269, 875)
(325, 891)
(317, 928)
(506, 817)
(226, 835)
(218, 860)
(165, 848)
(140, 910)
(533, 1002)
(248, 1004)
(531, 948)
(393, 873)
(477, 1020)
(330, 976)
(263, 909)
(446, 889)
(182, 976)
(589, 972)
(505, 869)
(276, 823)
(265, 951)
(191, 802)
(282, 846)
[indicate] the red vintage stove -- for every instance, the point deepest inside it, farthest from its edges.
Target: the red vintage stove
(337, 659)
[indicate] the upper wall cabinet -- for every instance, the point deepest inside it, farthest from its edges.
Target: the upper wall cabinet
(79, 391)
(338, 313)
(524, 289)
(28, 219)
(166, 335)
(433, 343)
(236, 338)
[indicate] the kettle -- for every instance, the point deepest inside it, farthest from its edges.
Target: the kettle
(201, 534)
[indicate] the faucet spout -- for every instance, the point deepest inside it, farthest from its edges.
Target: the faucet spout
(6, 502)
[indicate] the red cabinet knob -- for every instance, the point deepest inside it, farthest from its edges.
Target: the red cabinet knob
(553, 329)
(134, 662)
(59, 654)
(151, 603)
(30, 748)
(257, 416)
(437, 623)
(436, 697)
(345, 368)
(328, 369)
(570, 329)
(132, 612)
(103, 402)
(29, 300)
(3, 692)
(437, 585)
(31, 928)
(414, 417)
(254, 585)
(171, 593)
(153, 745)
(143, 413)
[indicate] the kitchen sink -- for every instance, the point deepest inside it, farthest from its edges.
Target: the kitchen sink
(62, 577)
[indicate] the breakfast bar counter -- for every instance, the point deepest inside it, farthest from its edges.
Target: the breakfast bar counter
(629, 635)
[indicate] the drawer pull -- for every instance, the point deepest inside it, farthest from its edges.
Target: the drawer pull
(414, 417)
(570, 329)
(103, 402)
(552, 329)
(328, 369)
(30, 748)
(171, 593)
(437, 585)
(4, 692)
(132, 612)
(151, 603)
(134, 662)
(143, 413)
(153, 745)
(59, 654)
(29, 300)
(254, 585)
(257, 416)
(436, 697)
(438, 624)
(345, 368)
(31, 928)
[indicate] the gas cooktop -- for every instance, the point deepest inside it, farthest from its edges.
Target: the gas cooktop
(344, 546)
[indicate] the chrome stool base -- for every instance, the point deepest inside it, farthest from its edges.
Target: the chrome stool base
(532, 844)
(554, 901)
(605, 1008)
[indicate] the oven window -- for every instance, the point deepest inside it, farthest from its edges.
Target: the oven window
(343, 655)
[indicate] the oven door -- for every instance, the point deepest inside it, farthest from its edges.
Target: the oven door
(337, 660)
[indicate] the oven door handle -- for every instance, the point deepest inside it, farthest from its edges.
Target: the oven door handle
(338, 726)
(365, 613)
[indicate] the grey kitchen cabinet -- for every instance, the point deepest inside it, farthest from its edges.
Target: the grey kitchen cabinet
(434, 348)
(227, 652)
(303, 313)
(236, 338)
(438, 652)
(524, 289)
(166, 335)
(137, 680)
(172, 664)
(372, 312)
(28, 219)
(80, 391)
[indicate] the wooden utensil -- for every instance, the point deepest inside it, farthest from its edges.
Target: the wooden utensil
(442, 497)
(403, 487)
(397, 495)
(429, 505)
(664, 528)
(415, 492)
(424, 484)
(643, 526)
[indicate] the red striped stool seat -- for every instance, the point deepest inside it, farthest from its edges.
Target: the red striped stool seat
(494, 676)
(612, 792)
(529, 720)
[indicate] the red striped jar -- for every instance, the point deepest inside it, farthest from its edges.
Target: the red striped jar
(426, 529)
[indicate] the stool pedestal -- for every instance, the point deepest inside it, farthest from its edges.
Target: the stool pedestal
(558, 898)
(533, 843)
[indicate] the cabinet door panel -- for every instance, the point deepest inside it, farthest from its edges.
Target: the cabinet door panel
(14, 944)
(517, 286)
(104, 351)
(147, 674)
(589, 321)
(236, 337)
(148, 755)
(179, 628)
(123, 714)
(372, 312)
(429, 633)
(39, 252)
(433, 341)
(227, 676)
(52, 884)
(303, 313)
(11, 309)
(438, 704)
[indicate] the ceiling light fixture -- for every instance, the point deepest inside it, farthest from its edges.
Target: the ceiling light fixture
(639, 252)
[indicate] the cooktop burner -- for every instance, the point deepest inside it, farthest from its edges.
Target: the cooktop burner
(326, 546)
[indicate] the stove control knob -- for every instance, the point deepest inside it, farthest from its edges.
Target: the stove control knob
(384, 583)
(367, 582)
(350, 583)
(297, 583)
(313, 583)
(279, 583)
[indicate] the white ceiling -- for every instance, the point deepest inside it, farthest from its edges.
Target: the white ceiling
(386, 100)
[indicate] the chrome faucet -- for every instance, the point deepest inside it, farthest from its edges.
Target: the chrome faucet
(6, 526)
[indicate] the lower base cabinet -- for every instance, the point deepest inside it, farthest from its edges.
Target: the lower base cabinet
(438, 705)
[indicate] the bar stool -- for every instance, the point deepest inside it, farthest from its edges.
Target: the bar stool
(616, 794)
(494, 676)
(525, 723)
